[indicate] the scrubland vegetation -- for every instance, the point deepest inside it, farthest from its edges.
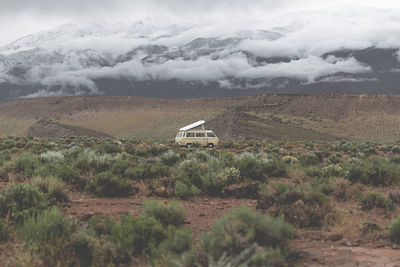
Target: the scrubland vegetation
(296, 186)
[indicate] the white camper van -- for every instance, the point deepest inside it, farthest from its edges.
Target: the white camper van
(196, 133)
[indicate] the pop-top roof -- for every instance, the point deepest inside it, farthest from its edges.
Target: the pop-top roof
(191, 126)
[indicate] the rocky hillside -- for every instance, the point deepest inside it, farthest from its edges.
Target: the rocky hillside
(279, 117)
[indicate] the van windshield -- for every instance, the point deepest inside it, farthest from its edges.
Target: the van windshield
(179, 134)
(211, 135)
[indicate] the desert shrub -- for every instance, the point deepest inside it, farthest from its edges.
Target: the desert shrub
(26, 164)
(216, 177)
(394, 195)
(313, 171)
(227, 144)
(290, 160)
(57, 242)
(171, 214)
(344, 190)
(304, 207)
(273, 149)
(334, 159)
(177, 241)
(90, 251)
(147, 171)
(68, 174)
(170, 158)
(4, 156)
(367, 148)
(51, 156)
(370, 200)
(5, 230)
(20, 200)
(395, 149)
(376, 171)
(52, 186)
(47, 169)
(215, 180)
(235, 233)
(139, 235)
(184, 191)
(45, 226)
(157, 150)
(259, 167)
(87, 160)
(323, 185)
(190, 171)
(394, 230)
(108, 148)
(118, 166)
(331, 170)
(309, 159)
(108, 185)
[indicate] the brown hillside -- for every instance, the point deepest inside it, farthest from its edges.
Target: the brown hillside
(289, 117)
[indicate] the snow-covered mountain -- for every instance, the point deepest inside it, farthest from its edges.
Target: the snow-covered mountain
(199, 59)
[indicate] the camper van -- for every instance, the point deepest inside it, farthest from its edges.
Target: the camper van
(196, 133)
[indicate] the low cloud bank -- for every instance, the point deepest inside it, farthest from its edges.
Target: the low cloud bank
(292, 46)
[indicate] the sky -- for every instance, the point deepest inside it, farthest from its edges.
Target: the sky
(22, 17)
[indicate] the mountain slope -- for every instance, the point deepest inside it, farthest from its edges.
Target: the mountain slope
(278, 117)
(199, 59)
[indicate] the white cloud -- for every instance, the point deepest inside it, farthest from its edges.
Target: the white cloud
(301, 32)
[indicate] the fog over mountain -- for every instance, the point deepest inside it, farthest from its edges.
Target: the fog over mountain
(335, 48)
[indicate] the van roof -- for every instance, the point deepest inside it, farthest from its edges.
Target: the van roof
(193, 125)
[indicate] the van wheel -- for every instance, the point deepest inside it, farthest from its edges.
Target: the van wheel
(210, 145)
(188, 145)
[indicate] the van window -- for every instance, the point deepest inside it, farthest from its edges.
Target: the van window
(200, 135)
(211, 135)
(189, 134)
(179, 134)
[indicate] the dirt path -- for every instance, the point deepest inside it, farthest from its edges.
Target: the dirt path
(351, 256)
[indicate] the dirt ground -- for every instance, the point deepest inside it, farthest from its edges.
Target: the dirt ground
(314, 247)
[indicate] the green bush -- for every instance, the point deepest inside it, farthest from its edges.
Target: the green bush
(227, 144)
(109, 148)
(170, 158)
(171, 214)
(241, 229)
(369, 201)
(394, 230)
(375, 171)
(395, 149)
(5, 230)
(184, 191)
(52, 156)
(106, 184)
(90, 251)
(394, 195)
(309, 159)
(139, 235)
(305, 207)
(191, 172)
(68, 175)
(258, 167)
(147, 171)
(26, 164)
(21, 200)
(4, 157)
(216, 179)
(331, 170)
(45, 226)
(52, 186)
